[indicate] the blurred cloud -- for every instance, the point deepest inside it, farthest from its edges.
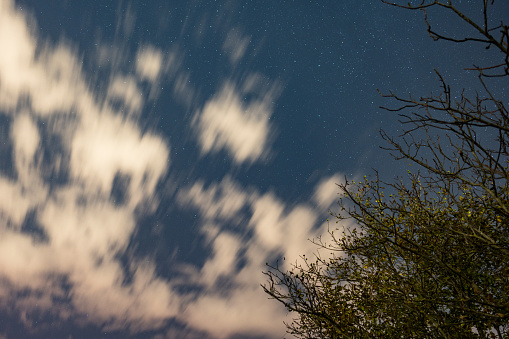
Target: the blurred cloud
(221, 201)
(149, 62)
(76, 262)
(106, 145)
(240, 127)
(14, 38)
(235, 45)
(222, 262)
(126, 21)
(85, 198)
(48, 77)
(278, 230)
(126, 91)
(326, 192)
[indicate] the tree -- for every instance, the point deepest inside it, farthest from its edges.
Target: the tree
(428, 255)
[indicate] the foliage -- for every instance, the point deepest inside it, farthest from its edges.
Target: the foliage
(428, 256)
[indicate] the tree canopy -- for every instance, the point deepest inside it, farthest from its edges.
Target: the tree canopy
(426, 256)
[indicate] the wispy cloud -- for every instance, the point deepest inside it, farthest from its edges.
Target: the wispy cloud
(125, 90)
(235, 45)
(219, 201)
(238, 126)
(149, 63)
(46, 93)
(267, 228)
(326, 192)
(85, 171)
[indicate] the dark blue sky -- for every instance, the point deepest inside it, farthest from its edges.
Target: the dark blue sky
(156, 154)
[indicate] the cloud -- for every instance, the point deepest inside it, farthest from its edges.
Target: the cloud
(126, 22)
(223, 260)
(19, 47)
(235, 45)
(326, 192)
(246, 310)
(284, 231)
(242, 128)
(25, 136)
(125, 90)
(106, 145)
(266, 229)
(85, 172)
(46, 95)
(149, 62)
(14, 204)
(218, 201)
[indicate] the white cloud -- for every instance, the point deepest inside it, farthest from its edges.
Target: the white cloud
(107, 144)
(49, 80)
(96, 229)
(25, 136)
(223, 260)
(147, 303)
(19, 197)
(326, 192)
(149, 62)
(278, 230)
(246, 310)
(49, 94)
(126, 90)
(241, 128)
(14, 204)
(218, 201)
(266, 221)
(283, 231)
(18, 49)
(85, 231)
(55, 80)
(23, 262)
(25, 139)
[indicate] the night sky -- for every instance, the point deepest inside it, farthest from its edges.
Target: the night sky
(154, 155)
